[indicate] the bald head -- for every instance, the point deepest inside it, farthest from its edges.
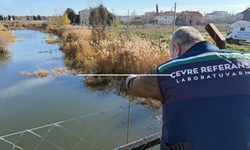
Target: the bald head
(183, 39)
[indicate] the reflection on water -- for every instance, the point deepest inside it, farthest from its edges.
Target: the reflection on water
(4, 60)
(117, 86)
(27, 103)
(23, 87)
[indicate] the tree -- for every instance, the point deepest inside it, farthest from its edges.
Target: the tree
(1, 17)
(98, 17)
(13, 17)
(71, 15)
(190, 21)
(110, 20)
(62, 20)
(157, 9)
(98, 20)
(34, 18)
(28, 17)
(8, 17)
(39, 17)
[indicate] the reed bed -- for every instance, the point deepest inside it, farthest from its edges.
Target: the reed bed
(43, 72)
(114, 53)
(25, 25)
(6, 38)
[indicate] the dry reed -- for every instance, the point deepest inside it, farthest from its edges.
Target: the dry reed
(5, 38)
(23, 73)
(41, 73)
(124, 53)
(51, 40)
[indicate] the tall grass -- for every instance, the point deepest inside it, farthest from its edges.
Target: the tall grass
(116, 53)
(41, 73)
(25, 25)
(5, 38)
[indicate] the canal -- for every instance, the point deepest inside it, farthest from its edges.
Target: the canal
(27, 102)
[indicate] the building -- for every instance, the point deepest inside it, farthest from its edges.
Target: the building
(245, 15)
(209, 16)
(43, 18)
(164, 18)
(217, 15)
(189, 17)
(149, 17)
(23, 17)
(238, 17)
(51, 18)
(123, 19)
(84, 16)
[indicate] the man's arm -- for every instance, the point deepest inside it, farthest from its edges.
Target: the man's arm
(144, 86)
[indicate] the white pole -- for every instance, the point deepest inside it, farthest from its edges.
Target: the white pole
(174, 18)
(128, 17)
(113, 19)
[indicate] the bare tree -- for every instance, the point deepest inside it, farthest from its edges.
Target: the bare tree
(94, 2)
(98, 20)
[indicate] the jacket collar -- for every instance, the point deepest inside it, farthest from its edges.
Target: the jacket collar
(203, 45)
(199, 48)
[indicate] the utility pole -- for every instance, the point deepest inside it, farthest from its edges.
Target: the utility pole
(128, 17)
(113, 19)
(174, 18)
(31, 15)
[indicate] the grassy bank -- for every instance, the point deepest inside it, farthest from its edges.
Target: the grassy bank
(25, 25)
(6, 37)
(115, 52)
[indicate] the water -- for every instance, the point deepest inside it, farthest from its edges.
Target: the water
(29, 102)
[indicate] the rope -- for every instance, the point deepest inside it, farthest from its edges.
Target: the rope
(94, 125)
(39, 29)
(123, 75)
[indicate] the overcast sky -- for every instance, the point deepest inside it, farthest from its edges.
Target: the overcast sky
(121, 7)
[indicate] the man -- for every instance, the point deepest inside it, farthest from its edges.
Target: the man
(205, 95)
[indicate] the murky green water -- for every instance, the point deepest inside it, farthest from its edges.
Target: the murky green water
(29, 102)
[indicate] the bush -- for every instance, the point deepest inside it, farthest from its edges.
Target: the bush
(5, 38)
(237, 48)
(118, 53)
(62, 20)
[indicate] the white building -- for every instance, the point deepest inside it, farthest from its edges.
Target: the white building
(124, 19)
(164, 18)
(217, 15)
(84, 16)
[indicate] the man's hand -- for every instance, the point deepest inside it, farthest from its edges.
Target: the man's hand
(132, 75)
(144, 86)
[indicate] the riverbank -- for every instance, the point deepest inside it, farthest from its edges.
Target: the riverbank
(110, 52)
(6, 37)
(45, 100)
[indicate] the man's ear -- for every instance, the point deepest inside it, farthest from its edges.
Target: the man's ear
(176, 49)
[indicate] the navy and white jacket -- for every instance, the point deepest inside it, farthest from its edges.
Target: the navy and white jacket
(206, 98)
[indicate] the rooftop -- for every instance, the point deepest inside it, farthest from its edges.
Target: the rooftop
(165, 14)
(191, 12)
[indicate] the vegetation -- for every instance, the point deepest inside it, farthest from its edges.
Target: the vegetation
(62, 20)
(116, 86)
(6, 37)
(41, 73)
(117, 53)
(71, 15)
(25, 25)
(4, 60)
(238, 48)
